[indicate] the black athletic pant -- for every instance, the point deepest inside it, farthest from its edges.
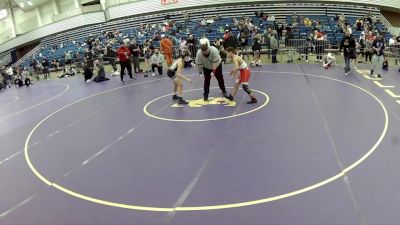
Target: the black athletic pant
(207, 78)
(113, 64)
(127, 65)
(27, 81)
(136, 64)
(368, 55)
(274, 53)
(153, 66)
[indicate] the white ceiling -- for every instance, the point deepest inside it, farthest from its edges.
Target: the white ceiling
(27, 7)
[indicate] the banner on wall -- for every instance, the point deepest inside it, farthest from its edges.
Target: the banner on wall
(165, 2)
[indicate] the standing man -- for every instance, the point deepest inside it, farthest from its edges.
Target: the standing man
(348, 45)
(46, 64)
(124, 53)
(110, 56)
(209, 60)
(135, 51)
(274, 45)
(378, 45)
(267, 40)
(166, 49)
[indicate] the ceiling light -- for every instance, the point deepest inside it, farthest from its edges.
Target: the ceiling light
(29, 3)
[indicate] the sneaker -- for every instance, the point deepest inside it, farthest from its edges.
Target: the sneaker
(205, 99)
(372, 72)
(252, 101)
(153, 75)
(307, 60)
(225, 95)
(175, 97)
(122, 81)
(355, 67)
(146, 75)
(182, 102)
(378, 76)
(230, 97)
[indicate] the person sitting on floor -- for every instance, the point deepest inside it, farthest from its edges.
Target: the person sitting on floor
(329, 60)
(101, 74)
(68, 71)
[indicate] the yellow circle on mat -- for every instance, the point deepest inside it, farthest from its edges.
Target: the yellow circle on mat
(146, 111)
(207, 207)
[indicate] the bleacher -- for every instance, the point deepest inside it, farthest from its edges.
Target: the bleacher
(5, 58)
(129, 26)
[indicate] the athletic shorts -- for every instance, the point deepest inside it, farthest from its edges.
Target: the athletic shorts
(171, 74)
(244, 76)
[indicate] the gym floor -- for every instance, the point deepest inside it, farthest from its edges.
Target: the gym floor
(318, 148)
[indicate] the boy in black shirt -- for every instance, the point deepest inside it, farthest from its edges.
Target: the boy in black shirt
(378, 45)
(348, 45)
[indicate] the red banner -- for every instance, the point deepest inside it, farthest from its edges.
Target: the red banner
(165, 2)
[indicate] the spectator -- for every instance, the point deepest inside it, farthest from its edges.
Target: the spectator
(191, 43)
(279, 29)
(157, 60)
(135, 53)
(274, 46)
(124, 54)
(256, 52)
(329, 60)
(359, 24)
(348, 45)
(148, 52)
(204, 39)
(25, 77)
(166, 49)
(378, 45)
(368, 50)
(231, 41)
(244, 38)
(101, 74)
(45, 64)
(87, 72)
(319, 44)
(111, 56)
(267, 40)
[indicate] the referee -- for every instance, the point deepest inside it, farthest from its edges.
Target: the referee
(209, 60)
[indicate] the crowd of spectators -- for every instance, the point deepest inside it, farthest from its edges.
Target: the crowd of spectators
(156, 43)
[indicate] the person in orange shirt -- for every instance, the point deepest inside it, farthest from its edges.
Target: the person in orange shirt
(166, 49)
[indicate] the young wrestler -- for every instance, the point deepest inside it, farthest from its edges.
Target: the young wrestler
(175, 73)
(240, 65)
